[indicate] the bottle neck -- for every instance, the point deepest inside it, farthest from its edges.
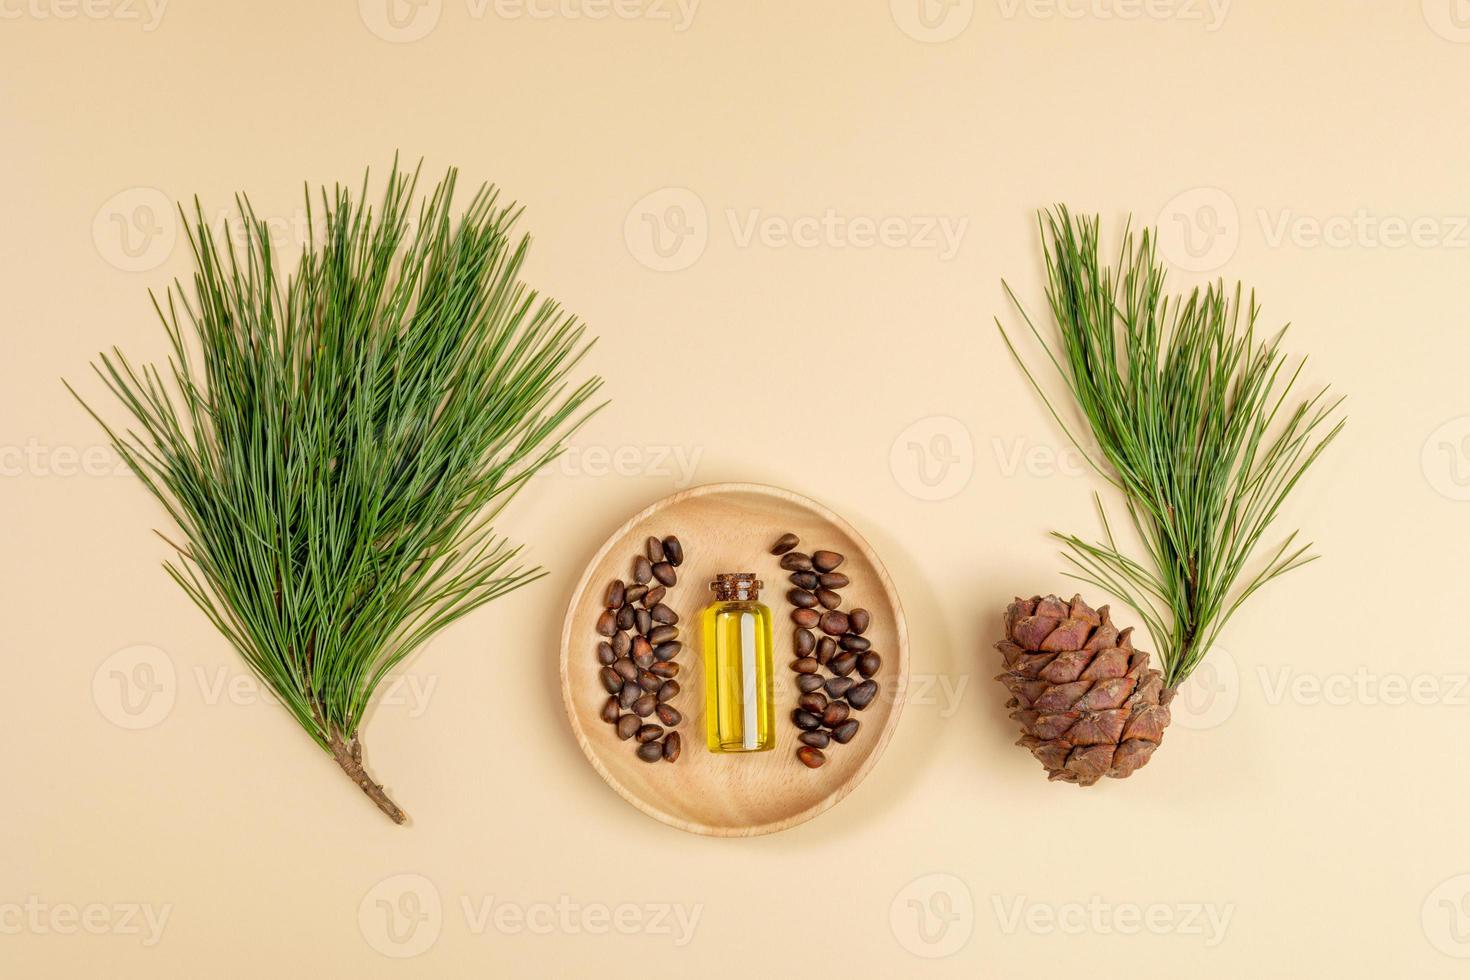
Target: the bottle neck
(742, 587)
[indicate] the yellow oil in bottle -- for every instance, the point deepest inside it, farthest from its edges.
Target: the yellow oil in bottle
(739, 684)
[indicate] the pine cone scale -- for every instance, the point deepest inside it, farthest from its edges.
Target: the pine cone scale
(1107, 665)
(1030, 633)
(1106, 694)
(1069, 635)
(1067, 667)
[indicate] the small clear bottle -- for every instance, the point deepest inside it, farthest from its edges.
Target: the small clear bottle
(740, 702)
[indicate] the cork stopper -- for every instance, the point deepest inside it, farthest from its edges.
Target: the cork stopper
(736, 587)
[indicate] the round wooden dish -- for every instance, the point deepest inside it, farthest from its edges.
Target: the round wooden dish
(730, 527)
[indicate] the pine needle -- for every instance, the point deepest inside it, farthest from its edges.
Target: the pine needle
(1195, 423)
(332, 448)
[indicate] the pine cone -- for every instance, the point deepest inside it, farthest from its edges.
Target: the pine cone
(1088, 702)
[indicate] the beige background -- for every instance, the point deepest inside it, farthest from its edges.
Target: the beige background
(1312, 796)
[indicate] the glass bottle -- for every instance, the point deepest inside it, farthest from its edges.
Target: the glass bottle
(739, 682)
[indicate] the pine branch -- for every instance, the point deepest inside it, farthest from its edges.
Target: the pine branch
(1195, 424)
(333, 448)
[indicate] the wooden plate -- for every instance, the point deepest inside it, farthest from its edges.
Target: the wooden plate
(730, 527)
